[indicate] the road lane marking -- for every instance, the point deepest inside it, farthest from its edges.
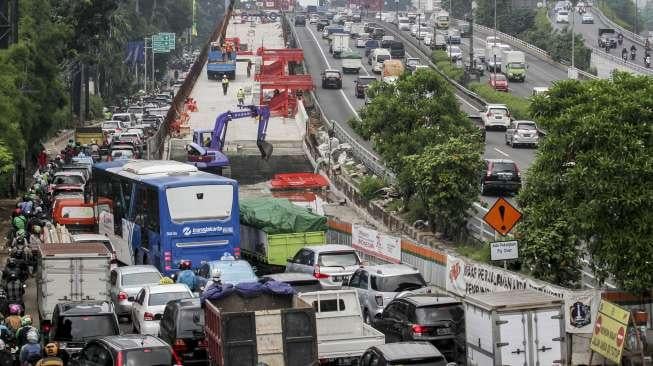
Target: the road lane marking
(501, 152)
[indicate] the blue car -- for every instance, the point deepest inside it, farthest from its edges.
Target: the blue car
(370, 45)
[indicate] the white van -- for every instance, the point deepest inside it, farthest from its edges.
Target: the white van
(377, 56)
(562, 16)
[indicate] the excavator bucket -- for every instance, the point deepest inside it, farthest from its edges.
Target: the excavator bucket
(265, 148)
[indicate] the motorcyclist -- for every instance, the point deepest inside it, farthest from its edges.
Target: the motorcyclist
(51, 356)
(23, 332)
(633, 52)
(21, 253)
(6, 358)
(187, 276)
(14, 289)
(216, 279)
(19, 221)
(620, 38)
(14, 319)
(624, 53)
(647, 60)
(30, 352)
(12, 267)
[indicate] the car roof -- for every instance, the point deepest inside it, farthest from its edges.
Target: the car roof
(420, 300)
(383, 270)
(136, 269)
(524, 121)
(90, 237)
(84, 308)
(133, 341)
(329, 248)
(408, 350)
(173, 287)
(497, 106)
(290, 276)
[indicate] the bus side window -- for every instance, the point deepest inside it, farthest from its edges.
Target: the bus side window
(122, 191)
(147, 212)
(152, 219)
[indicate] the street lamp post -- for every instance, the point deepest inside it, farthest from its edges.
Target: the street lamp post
(397, 12)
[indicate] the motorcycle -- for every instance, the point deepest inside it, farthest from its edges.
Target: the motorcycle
(632, 55)
(647, 62)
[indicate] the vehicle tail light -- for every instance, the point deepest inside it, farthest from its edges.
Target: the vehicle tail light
(119, 359)
(167, 259)
(489, 170)
(203, 343)
(317, 274)
(237, 252)
(180, 346)
(379, 300)
(177, 359)
(517, 170)
(148, 316)
(419, 329)
(122, 296)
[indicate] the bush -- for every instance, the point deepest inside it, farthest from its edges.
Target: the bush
(370, 186)
(441, 60)
(519, 107)
(96, 104)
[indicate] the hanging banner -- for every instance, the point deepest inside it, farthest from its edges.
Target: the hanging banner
(372, 242)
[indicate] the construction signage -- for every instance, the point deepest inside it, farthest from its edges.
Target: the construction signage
(610, 331)
(502, 216)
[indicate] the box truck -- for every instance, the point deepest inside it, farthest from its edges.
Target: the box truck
(514, 63)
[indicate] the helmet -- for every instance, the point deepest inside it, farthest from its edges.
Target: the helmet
(32, 336)
(20, 234)
(224, 76)
(185, 264)
(26, 321)
(36, 229)
(11, 262)
(51, 349)
(216, 274)
(14, 309)
(13, 276)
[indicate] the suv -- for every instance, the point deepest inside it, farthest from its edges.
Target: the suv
(132, 349)
(332, 264)
(404, 353)
(126, 282)
(331, 79)
(377, 285)
(300, 19)
(323, 22)
(439, 320)
(182, 327)
(74, 323)
(496, 115)
(522, 133)
(500, 175)
(361, 84)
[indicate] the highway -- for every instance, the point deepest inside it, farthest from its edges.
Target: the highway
(342, 105)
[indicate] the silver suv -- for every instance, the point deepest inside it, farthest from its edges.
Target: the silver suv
(378, 285)
(126, 282)
(332, 264)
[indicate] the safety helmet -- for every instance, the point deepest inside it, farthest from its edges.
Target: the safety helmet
(11, 262)
(15, 309)
(20, 234)
(13, 276)
(36, 229)
(51, 349)
(224, 76)
(32, 336)
(185, 264)
(26, 321)
(216, 274)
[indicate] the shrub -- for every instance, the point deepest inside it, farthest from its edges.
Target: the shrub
(518, 106)
(370, 186)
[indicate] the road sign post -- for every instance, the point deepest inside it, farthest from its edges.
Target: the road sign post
(504, 251)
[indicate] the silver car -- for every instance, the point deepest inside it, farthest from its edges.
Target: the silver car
(127, 281)
(377, 285)
(522, 133)
(331, 263)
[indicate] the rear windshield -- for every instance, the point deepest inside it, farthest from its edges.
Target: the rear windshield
(122, 154)
(74, 328)
(206, 202)
(498, 111)
(142, 278)
(397, 46)
(526, 126)
(110, 125)
(149, 357)
(332, 74)
(366, 81)
(235, 271)
(77, 212)
(434, 314)
(405, 282)
(499, 77)
(68, 179)
(372, 44)
(338, 259)
(381, 58)
(165, 297)
(191, 323)
(503, 167)
(124, 118)
(433, 361)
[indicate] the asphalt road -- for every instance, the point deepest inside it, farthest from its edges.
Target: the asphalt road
(341, 105)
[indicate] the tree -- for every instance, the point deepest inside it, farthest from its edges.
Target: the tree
(588, 191)
(510, 20)
(446, 180)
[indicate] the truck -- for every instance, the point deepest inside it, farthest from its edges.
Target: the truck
(338, 43)
(89, 135)
(493, 53)
(515, 65)
(351, 62)
(392, 70)
(607, 38)
(272, 329)
(437, 41)
(342, 336)
(274, 229)
(220, 62)
(71, 272)
(441, 19)
(518, 327)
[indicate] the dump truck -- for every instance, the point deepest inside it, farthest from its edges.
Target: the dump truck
(392, 70)
(264, 328)
(89, 135)
(274, 229)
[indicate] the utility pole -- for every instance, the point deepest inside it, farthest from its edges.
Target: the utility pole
(397, 12)
(471, 40)
(145, 64)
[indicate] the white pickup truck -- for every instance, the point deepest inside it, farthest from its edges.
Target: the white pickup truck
(342, 336)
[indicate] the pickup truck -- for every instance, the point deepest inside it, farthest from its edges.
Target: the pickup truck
(266, 328)
(342, 336)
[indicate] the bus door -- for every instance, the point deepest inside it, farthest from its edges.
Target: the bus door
(146, 226)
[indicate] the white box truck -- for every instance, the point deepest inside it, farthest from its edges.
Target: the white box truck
(71, 272)
(514, 65)
(521, 327)
(339, 43)
(493, 53)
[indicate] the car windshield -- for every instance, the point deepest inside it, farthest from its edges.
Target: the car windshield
(431, 361)
(503, 167)
(123, 154)
(429, 315)
(564, 13)
(140, 278)
(381, 58)
(110, 125)
(135, 110)
(526, 126)
(332, 74)
(68, 179)
(500, 111)
(74, 328)
(148, 357)
(338, 259)
(123, 118)
(163, 298)
(499, 77)
(454, 49)
(372, 44)
(366, 81)
(404, 282)
(235, 271)
(77, 212)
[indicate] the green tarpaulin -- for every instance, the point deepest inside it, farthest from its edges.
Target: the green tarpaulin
(279, 216)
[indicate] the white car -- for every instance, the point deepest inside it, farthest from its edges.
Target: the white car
(562, 17)
(587, 18)
(454, 52)
(313, 19)
(404, 24)
(522, 133)
(150, 302)
(496, 115)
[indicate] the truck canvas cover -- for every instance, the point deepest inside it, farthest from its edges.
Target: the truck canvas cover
(279, 216)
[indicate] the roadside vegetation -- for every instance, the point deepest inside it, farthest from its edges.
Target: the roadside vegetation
(621, 12)
(441, 60)
(519, 106)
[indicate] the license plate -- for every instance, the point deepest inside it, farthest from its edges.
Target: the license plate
(340, 278)
(527, 135)
(498, 117)
(442, 331)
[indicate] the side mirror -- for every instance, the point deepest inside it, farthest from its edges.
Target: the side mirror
(131, 298)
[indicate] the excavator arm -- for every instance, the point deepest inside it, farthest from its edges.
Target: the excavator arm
(222, 122)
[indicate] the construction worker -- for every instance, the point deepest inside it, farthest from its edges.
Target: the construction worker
(225, 84)
(241, 96)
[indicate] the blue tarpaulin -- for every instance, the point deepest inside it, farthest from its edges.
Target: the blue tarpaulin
(246, 289)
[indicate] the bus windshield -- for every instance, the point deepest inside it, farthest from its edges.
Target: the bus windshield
(208, 202)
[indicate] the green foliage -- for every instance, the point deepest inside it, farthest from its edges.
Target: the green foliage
(519, 107)
(510, 20)
(369, 187)
(96, 104)
(6, 167)
(588, 191)
(621, 12)
(441, 60)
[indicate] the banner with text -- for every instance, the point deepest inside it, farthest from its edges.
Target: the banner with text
(465, 277)
(374, 243)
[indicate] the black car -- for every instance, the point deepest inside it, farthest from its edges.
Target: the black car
(132, 349)
(404, 353)
(182, 327)
(74, 323)
(378, 33)
(500, 175)
(331, 79)
(397, 49)
(300, 20)
(369, 27)
(439, 320)
(323, 22)
(361, 84)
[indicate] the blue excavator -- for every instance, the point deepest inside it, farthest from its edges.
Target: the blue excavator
(205, 152)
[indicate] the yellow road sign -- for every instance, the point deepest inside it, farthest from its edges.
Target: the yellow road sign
(610, 331)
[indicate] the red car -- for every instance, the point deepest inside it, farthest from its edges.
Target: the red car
(498, 82)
